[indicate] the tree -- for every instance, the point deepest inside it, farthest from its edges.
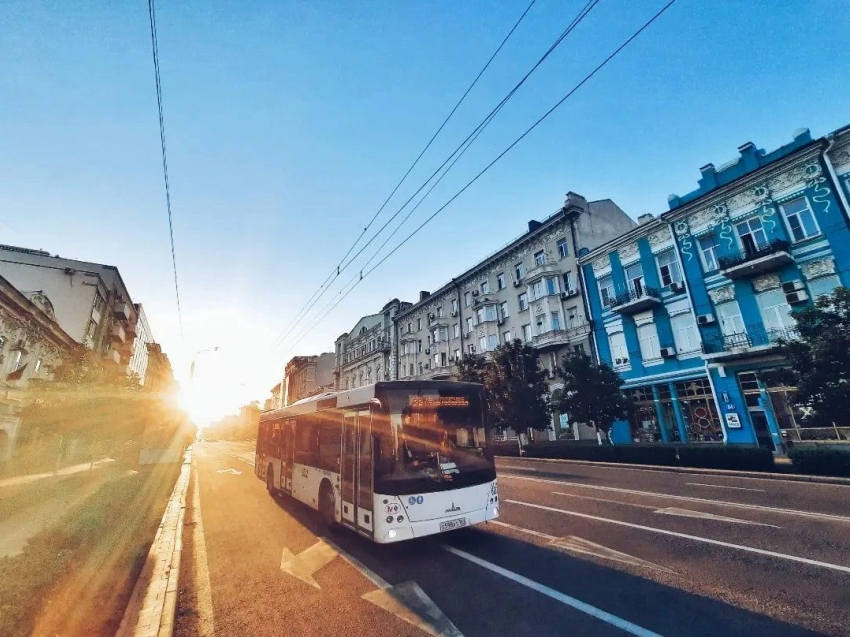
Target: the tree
(517, 389)
(471, 368)
(591, 393)
(820, 360)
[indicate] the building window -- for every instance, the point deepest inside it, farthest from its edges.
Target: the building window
(482, 344)
(418, 324)
(468, 324)
(456, 330)
(552, 286)
(708, 251)
(817, 287)
(606, 290)
(801, 220)
(523, 301)
(568, 281)
(37, 367)
(540, 258)
(421, 368)
(500, 281)
(88, 337)
(668, 268)
(775, 311)
(411, 369)
(467, 299)
(536, 290)
(519, 271)
(578, 348)
(440, 311)
(685, 334)
(650, 349)
(485, 287)
(619, 352)
(540, 323)
(419, 345)
(16, 360)
(562, 248)
(572, 317)
(492, 341)
(526, 332)
(634, 279)
(556, 321)
(752, 235)
(507, 337)
(409, 328)
(731, 321)
(457, 354)
(503, 308)
(454, 305)
(471, 348)
(437, 360)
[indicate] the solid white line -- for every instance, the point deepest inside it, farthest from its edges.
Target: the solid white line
(696, 538)
(723, 486)
(567, 483)
(205, 626)
(572, 602)
(368, 573)
(233, 455)
(587, 497)
(544, 536)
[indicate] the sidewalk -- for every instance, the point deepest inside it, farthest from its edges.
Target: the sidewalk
(67, 471)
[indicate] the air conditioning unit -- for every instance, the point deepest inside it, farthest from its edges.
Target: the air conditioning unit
(427, 350)
(799, 296)
(792, 286)
(668, 352)
(568, 293)
(501, 321)
(705, 319)
(454, 313)
(517, 283)
(472, 349)
(677, 286)
(475, 293)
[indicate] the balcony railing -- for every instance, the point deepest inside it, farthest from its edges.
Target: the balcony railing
(755, 340)
(636, 300)
(560, 337)
(755, 260)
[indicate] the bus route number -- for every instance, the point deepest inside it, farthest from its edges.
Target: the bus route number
(305, 472)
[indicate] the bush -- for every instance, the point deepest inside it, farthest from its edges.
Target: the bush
(506, 448)
(727, 457)
(568, 450)
(827, 460)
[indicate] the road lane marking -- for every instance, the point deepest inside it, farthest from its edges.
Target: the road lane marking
(572, 602)
(687, 513)
(806, 514)
(303, 565)
(230, 471)
(696, 538)
(587, 497)
(575, 544)
(407, 600)
(205, 625)
(241, 459)
(723, 486)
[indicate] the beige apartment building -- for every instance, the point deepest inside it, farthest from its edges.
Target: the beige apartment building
(527, 290)
(307, 375)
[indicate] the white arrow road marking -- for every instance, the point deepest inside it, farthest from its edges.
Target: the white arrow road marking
(572, 602)
(574, 544)
(407, 601)
(230, 471)
(696, 538)
(307, 562)
(687, 513)
(723, 486)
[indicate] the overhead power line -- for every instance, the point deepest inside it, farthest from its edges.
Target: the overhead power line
(557, 105)
(155, 49)
(461, 148)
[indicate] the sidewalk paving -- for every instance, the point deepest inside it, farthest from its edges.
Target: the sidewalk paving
(67, 471)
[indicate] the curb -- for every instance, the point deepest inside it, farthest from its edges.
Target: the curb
(153, 603)
(756, 475)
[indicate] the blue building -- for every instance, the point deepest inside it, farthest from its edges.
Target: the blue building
(688, 307)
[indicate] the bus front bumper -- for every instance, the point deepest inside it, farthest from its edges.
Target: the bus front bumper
(388, 533)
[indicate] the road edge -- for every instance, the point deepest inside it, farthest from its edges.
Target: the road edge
(790, 477)
(153, 604)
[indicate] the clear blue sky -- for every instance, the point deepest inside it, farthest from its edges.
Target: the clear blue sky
(288, 123)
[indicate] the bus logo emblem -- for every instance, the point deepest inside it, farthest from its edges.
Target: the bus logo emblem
(453, 508)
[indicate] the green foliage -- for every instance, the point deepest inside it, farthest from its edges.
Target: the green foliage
(738, 457)
(823, 459)
(819, 359)
(471, 367)
(591, 393)
(516, 388)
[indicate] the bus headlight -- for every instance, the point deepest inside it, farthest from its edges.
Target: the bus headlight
(391, 534)
(495, 512)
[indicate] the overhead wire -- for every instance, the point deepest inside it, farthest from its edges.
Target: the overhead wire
(470, 138)
(560, 102)
(155, 50)
(337, 271)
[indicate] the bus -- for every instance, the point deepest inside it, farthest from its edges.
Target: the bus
(393, 461)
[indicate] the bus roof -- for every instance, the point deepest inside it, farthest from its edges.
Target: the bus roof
(360, 396)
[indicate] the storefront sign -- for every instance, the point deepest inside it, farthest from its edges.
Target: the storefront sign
(733, 421)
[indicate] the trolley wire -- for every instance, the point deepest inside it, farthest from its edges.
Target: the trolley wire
(461, 148)
(356, 280)
(155, 50)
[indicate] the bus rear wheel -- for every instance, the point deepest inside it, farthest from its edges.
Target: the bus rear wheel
(270, 481)
(328, 505)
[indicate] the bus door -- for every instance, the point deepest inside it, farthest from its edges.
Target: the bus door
(356, 470)
(288, 453)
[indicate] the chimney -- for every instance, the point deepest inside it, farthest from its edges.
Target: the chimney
(749, 156)
(574, 204)
(709, 177)
(424, 294)
(533, 225)
(673, 201)
(645, 218)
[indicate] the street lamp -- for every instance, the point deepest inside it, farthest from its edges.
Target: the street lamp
(195, 358)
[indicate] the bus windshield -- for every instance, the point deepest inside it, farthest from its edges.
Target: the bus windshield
(432, 440)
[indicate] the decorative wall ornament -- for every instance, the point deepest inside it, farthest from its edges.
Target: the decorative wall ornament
(660, 237)
(817, 267)
(815, 179)
(683, 231)
(738, 201)
(722, 294)
(700, 219)
(601, 264)
(840, 157)
(766, 282)
(628, 251)
(766, 209)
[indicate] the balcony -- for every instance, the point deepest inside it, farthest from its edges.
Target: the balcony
(122, 310)
(556, 338)
(756, 341)
(112, 356)
(131, 330)
(117, 334)
(636, 300)
(539, 271)
(757, 260)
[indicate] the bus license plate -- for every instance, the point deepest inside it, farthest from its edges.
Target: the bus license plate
(451, 525)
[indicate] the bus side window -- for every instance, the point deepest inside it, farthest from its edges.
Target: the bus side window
(330, 444)
(305, 440)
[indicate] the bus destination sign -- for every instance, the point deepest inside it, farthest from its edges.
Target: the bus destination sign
(433, 402)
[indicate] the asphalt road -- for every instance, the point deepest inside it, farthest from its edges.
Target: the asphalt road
(579, 550)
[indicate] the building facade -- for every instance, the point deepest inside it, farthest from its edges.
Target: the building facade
(90, 300)
(308, 375)
(528, 290)
(689, 307)
(159, 375)
(139, 361)
(368, 353)
(31, 345)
